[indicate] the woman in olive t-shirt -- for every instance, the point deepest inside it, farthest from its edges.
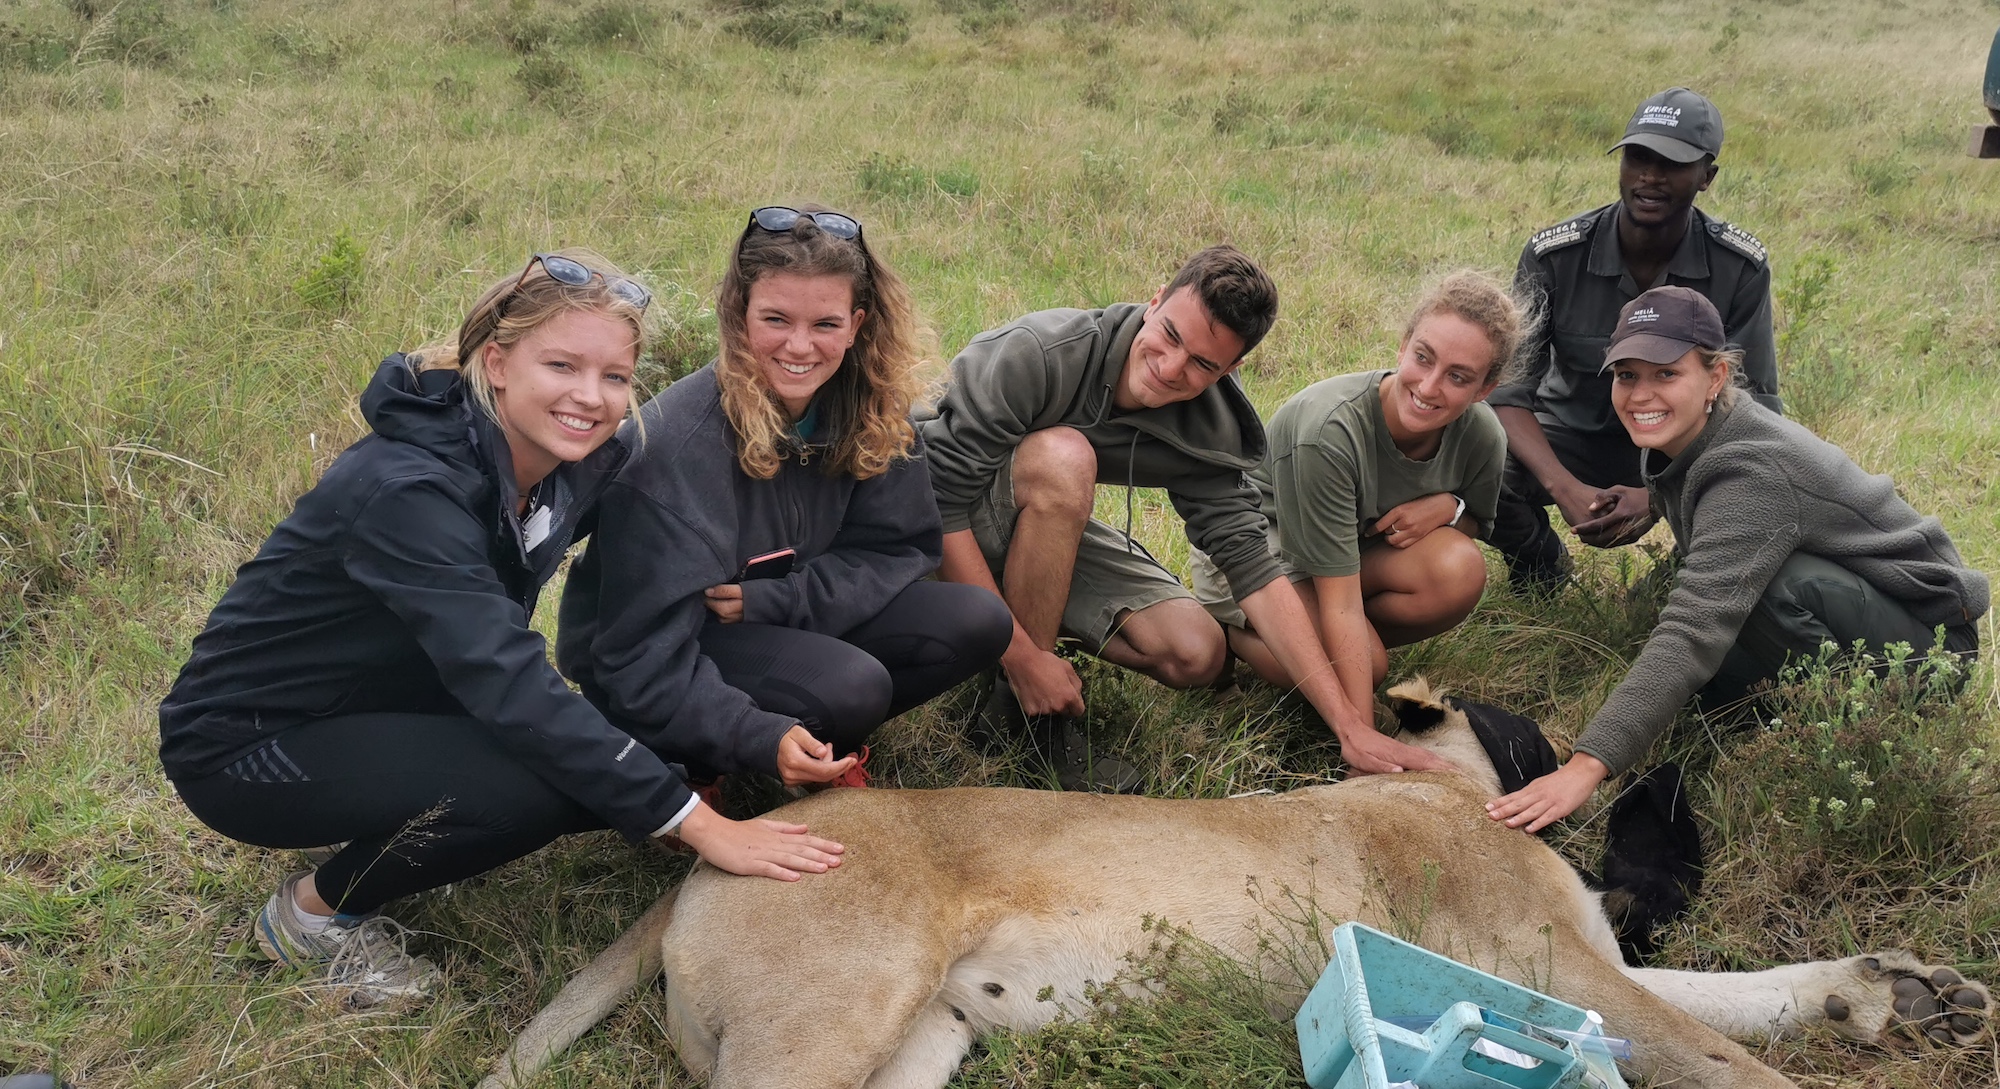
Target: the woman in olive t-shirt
(1377, 484)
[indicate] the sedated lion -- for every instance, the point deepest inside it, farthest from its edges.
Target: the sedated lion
(957, 912)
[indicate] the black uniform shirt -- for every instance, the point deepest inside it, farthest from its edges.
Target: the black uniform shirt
(1578, 266)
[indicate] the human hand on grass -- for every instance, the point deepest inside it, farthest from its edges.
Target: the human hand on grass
(1043, 682)
(803, 758)
(1551, 797)
(757, 847)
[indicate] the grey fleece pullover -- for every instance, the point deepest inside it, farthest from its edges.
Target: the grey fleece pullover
(1752, 489)
(1059, 368)
(682, 517)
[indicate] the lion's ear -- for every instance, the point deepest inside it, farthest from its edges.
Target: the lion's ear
(1418, 708)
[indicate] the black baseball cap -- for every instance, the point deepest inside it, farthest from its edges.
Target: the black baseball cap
(1677, 124)
(1662, 324)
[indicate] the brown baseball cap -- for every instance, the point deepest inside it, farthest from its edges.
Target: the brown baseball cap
(1661, 325)
(1678, 124)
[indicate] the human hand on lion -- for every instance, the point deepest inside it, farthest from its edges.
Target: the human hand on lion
(1368, 752)
(1551, 797)
(757, 847)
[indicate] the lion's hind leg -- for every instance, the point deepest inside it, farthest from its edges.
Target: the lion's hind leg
(1888, 999)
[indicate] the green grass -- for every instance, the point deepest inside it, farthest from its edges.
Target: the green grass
(218, 215)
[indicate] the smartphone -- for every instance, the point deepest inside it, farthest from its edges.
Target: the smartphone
(770, 565)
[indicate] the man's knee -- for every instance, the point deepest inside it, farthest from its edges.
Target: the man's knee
(1055, 470)
(1183, 646)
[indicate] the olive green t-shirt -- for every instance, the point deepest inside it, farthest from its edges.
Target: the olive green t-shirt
(1333, 471)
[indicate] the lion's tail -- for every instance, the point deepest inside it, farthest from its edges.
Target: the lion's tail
(629, 963)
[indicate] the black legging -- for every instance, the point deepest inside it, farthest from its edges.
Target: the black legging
(426, 800)
(927, 639)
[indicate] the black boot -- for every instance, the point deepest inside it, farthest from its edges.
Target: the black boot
(1063, 742)
(1058, 739)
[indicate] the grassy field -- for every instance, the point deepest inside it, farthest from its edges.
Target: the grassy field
(216, 216)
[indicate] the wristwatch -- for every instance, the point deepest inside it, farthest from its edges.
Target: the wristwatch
(1460, 512)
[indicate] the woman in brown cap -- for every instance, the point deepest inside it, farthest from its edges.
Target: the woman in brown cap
(1785, 542)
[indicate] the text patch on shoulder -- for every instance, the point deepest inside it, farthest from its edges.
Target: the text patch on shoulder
(1567, 233)
(1740, 240)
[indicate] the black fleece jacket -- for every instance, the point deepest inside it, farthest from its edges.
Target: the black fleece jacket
(683, 517)
(401, 582)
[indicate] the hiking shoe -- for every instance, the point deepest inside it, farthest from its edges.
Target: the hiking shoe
(1064, 744)
(1540, 569)
(999, 720)
(363, 954)
(320, 856)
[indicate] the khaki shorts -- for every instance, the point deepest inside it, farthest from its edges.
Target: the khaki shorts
(1114, 574)
(1211, 589)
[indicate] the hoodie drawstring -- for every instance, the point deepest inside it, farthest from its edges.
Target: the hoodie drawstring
(1131, 457)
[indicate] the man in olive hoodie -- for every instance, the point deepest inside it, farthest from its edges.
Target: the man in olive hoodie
(1042, 410)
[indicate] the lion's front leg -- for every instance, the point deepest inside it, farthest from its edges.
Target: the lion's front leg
(1889, 999)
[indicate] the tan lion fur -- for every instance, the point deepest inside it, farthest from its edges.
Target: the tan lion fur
(961, 911)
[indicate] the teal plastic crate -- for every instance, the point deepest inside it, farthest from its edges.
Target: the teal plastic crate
(1483, 1032)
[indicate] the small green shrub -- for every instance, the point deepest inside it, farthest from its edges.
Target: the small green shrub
(312, 51)
(1882, 176)
(525, 28)
(1821, 375)
(139, 32)
(1874, 769)
(894, 176)
(790, 24)
(230, 207)
(1239, 109)
(334, 282)
(982, 16)
(551, 80)
(613, 22)
(684, 340)
(34, 48)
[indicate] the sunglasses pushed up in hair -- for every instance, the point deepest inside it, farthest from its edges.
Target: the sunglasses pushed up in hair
(778, 219)
(565, 270)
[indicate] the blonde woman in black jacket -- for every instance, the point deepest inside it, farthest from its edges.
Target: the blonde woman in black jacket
(371, 679)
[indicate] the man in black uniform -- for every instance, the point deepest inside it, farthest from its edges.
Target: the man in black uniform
(1564, 444)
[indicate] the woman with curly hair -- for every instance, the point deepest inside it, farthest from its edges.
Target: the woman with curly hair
(754, 596)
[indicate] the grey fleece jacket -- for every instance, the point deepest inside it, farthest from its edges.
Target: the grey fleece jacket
(1752, 489)
(1059, 368)
(682, 517)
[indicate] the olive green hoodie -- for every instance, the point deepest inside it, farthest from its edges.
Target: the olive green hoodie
(1060, 368)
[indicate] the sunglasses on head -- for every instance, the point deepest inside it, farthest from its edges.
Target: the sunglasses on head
(778, 219)
(564, 270)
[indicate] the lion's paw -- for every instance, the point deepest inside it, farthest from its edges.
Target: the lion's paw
(1898, 1001)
